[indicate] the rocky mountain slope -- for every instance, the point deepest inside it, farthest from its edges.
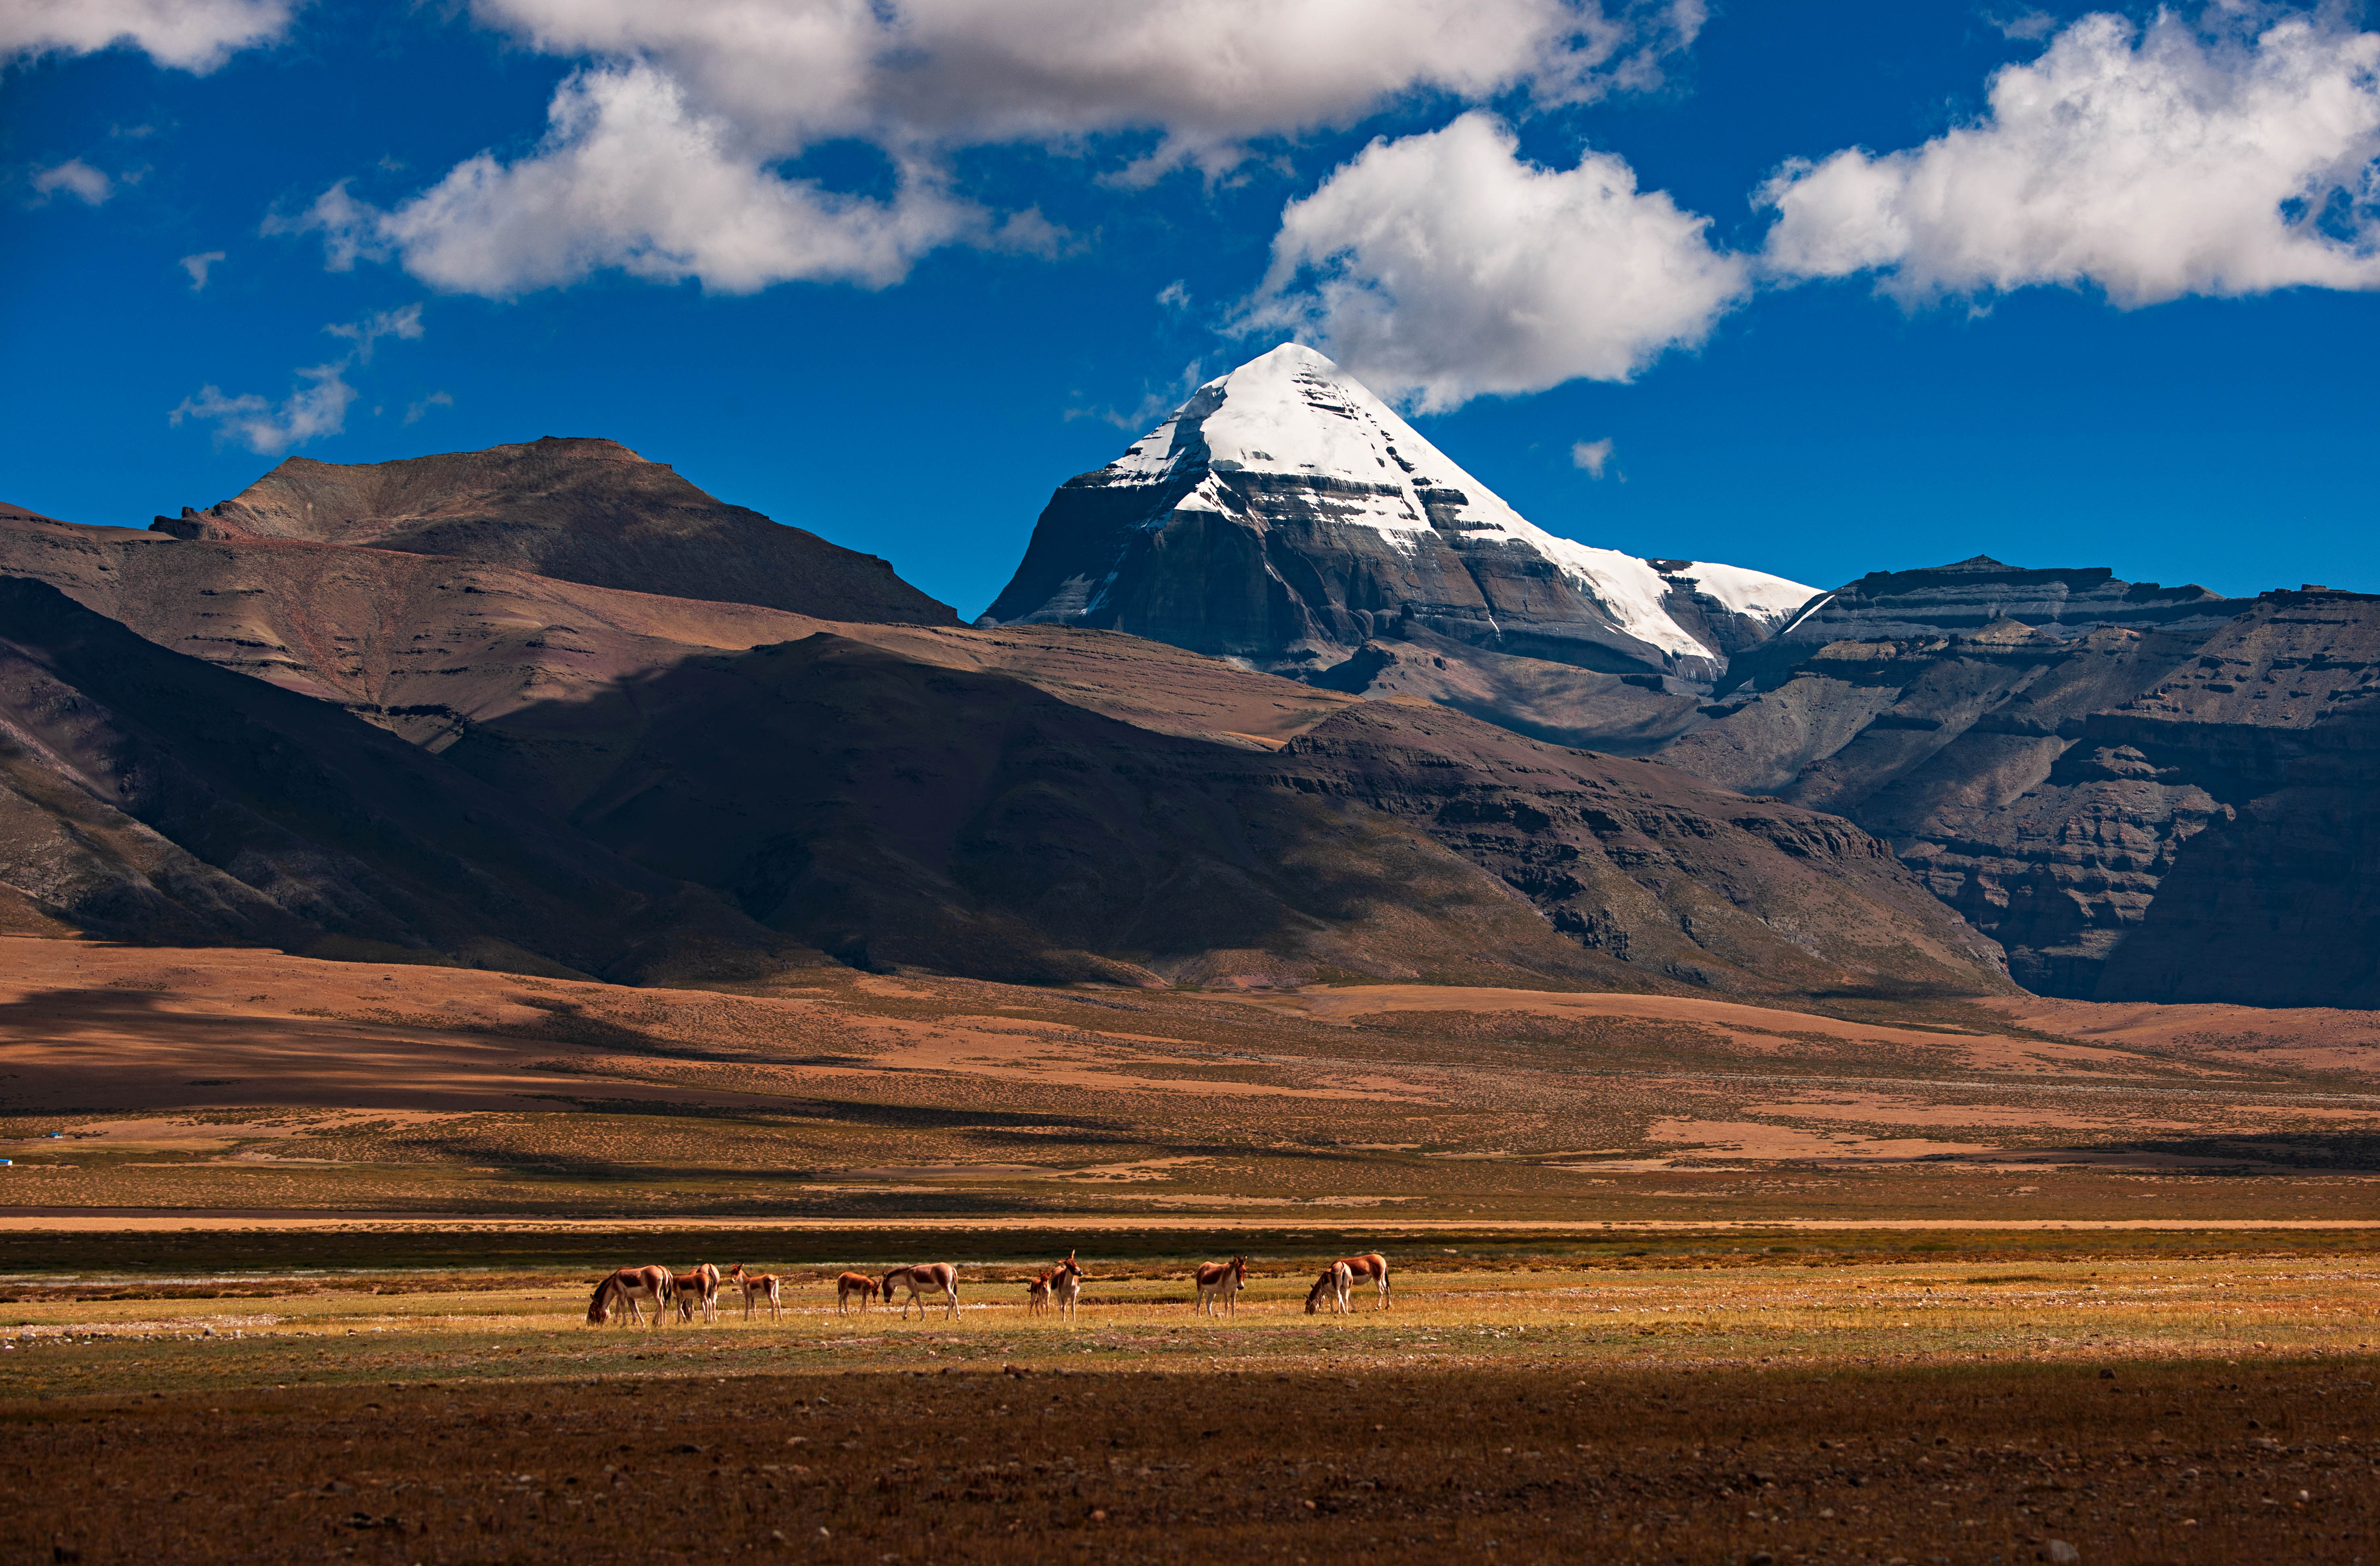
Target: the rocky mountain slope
(639, 786)
(1285, 515)
(426, 647)
(2141, 792)
(586, 511)
(894, 812)
(147, 797)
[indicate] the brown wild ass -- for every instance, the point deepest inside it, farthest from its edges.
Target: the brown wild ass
(627, 1286)
(925, 1278)
(1066, 1286)
(1222, 1280)
(754, 1286)
(698, 1286)
(851, 1284)
(1036, 1294)
(1334, 1282)
(1370, 1268)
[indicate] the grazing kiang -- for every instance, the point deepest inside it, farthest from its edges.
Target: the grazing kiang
(851, 1284)
(1066, 1286)
(1219, 1283)
(1370, 1268)
(1333, 1285)
(698, 1285)
(757, 1286)
(630, 1286)
(924, 1278)
(1036, 1295)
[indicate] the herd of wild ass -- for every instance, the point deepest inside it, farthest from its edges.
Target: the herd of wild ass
(1060, 1289)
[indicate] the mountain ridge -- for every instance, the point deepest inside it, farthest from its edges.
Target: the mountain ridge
(579, 509)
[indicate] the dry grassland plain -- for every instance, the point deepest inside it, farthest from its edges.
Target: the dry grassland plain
(295, 1258)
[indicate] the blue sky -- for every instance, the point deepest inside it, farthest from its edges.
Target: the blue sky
(894, 285)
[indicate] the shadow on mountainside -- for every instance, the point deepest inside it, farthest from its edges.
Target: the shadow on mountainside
(893, 813)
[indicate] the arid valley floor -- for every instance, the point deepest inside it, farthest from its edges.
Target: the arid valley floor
(296, 1257)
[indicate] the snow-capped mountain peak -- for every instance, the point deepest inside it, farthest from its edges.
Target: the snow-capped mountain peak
(1340, 517)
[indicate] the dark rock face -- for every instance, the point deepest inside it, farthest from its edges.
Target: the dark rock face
(1285, 517)
(1964, 598)
(148, 796)
(2151, 794)
(577, 510)
(893, 814)
(1649, 867)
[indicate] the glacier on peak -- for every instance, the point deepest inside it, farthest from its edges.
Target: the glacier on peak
(1285, 514)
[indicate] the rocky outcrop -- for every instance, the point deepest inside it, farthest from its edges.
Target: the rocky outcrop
(577, 510)
(1286, 517)
(2134, 795)
(1964, 598)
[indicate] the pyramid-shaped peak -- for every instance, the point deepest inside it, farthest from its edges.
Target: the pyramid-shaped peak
(1292, 411)
(1289, 467)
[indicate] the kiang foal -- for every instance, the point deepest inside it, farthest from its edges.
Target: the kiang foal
(851, 1284)
(699, 1287)
(1036, 1294)
(755, 1285)
(627, 1286)
(925, 1278)
(1222, 1280)
(1334, 1282)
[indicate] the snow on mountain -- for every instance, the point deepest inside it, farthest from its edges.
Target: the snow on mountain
(1285, 514)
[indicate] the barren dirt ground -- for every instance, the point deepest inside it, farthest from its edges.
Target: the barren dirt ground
(296, 1257)
(2135, 1410)
(158, 1081)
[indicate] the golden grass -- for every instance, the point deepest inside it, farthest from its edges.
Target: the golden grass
(1943, 1312)
(2143, 1411)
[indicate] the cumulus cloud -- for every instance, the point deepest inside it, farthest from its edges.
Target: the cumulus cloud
(316, 406)
(1443, 266)
(2148, 163)
(662, 157)
(631, 176)
(1591, 457)
(198, 266)
(193, 35)
(1207, 73)
(75, 177)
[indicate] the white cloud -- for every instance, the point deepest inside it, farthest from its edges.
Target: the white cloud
(1443, 267)
(193, 35)
(631, 176)
(75, 177)
(314, 410)
(198, 266)
(2150, 163)
(415, 412)
(403, 324)
(1207, 73)
(1591, 457)
(660, 159)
